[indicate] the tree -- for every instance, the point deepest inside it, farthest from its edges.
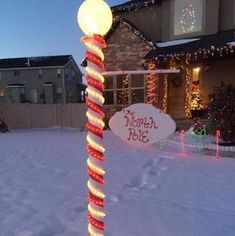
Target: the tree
(221, 112)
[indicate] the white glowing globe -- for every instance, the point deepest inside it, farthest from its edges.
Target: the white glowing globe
(95, 17)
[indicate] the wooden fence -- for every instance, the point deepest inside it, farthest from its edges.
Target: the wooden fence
(44, 115)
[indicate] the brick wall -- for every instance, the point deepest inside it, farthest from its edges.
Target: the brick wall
(125, 50)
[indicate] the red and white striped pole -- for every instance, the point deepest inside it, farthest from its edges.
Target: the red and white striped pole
(95, 19)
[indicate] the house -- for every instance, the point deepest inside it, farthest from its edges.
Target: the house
(195, 36)
(48, 79)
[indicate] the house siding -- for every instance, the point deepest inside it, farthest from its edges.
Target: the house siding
(151, 18)
(158, 20)
(30, 78)
(227, 14)
(72, 79)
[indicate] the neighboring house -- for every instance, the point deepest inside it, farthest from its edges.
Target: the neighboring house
(43, 80)
(196, 36)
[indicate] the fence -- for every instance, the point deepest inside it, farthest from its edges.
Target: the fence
(44, 115)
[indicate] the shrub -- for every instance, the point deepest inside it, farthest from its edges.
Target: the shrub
(221, 112)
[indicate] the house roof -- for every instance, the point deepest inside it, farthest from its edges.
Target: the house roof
(121, 21)
(46, 61)
(134, 5)
(206, 44)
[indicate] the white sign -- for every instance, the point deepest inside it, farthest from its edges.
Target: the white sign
(142, 124)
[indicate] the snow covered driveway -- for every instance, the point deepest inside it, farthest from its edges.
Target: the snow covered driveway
(149, 192)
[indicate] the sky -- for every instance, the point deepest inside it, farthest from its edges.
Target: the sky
(41, 28)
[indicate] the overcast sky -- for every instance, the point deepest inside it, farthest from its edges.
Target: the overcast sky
(41, 28)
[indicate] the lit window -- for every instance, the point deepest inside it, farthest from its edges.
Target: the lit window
(124, 89)
(1, 92)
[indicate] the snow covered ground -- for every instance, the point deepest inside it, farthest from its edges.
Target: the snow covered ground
(150, 192)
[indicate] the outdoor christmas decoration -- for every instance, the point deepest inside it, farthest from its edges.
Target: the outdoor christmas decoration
(135, 5)
(120, 21)
(196, 96)
(95, 19)
(188, 20)
(165, 100)
(152, 90)
(199, 127)
(221, 113)
(124, 94)
(142, 124)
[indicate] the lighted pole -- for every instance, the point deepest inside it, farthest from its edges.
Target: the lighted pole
(95, 20)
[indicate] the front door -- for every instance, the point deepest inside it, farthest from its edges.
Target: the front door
(176, 96)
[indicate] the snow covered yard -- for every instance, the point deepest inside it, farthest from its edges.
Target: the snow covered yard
(150, 192)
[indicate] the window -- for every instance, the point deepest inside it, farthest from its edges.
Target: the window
(15, 94)
(109, 91)
(108, 83)
(137, 89)
(34, 95)
(41, 95)
(16, 72)
(73, 75)
(187, 16)
(124, 89)
(59, 72)
(109, 97)
(1, 92)
(70, 95)
(40, 73)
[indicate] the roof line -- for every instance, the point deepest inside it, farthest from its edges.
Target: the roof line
(118, 20)
(59, 55)
(134, 5)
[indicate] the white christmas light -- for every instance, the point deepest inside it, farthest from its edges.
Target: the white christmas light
(95, 17)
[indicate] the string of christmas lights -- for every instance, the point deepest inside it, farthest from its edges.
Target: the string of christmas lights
(134, 5)
(196, 96)
(95, 125)
(199, 55)
(152, 93)
(165, 97)
(124, 94)
(187, 89)
(119, 20)
(188, 20)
